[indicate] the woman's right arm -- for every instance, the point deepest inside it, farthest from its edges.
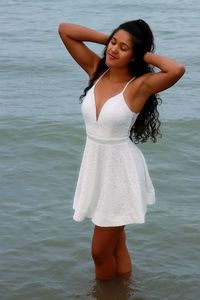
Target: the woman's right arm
(74, 36)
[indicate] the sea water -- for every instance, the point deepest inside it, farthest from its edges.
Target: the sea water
(44, 254)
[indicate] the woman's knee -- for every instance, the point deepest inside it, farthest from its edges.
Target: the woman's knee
(104, 243)
(99, 254)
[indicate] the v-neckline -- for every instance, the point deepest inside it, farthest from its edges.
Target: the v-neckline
(107, 100)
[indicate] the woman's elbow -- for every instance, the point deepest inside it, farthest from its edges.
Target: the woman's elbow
(61, 28)
(180, 70)
(64, 29)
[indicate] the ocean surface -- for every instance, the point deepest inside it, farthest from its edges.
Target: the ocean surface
(44, 254)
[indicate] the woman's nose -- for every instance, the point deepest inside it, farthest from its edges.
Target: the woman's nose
(114, 48)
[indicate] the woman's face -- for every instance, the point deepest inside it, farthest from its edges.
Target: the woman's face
(119, 52)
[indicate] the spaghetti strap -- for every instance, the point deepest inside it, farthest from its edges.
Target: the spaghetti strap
(101, 76)
(128, 84)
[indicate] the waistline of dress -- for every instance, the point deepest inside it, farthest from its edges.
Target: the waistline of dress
(100, 140)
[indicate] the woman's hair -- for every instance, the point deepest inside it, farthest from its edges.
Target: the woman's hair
(147, 123)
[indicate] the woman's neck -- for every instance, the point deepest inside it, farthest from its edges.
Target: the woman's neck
(116, 75)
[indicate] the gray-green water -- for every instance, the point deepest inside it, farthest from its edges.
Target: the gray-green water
(43, 253)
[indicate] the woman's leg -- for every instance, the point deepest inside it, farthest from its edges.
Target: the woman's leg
(104, 243)
(122, 257)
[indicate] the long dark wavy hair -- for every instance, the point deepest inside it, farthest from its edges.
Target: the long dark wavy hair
(147, 123)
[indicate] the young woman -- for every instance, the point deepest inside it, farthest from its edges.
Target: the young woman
(119, 106)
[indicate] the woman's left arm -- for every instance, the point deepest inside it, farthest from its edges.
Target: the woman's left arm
(170, 73)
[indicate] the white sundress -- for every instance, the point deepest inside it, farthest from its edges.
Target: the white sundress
(114, 186)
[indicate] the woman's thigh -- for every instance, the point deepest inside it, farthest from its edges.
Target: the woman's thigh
(105, 240)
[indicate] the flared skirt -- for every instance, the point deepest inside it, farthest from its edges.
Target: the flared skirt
(114, 186)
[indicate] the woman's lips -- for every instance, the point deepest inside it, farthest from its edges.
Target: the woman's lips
(112, 56)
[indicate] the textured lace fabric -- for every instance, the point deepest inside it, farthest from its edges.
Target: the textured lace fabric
(114, 186)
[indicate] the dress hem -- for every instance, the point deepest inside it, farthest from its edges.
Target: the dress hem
(122, 220)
